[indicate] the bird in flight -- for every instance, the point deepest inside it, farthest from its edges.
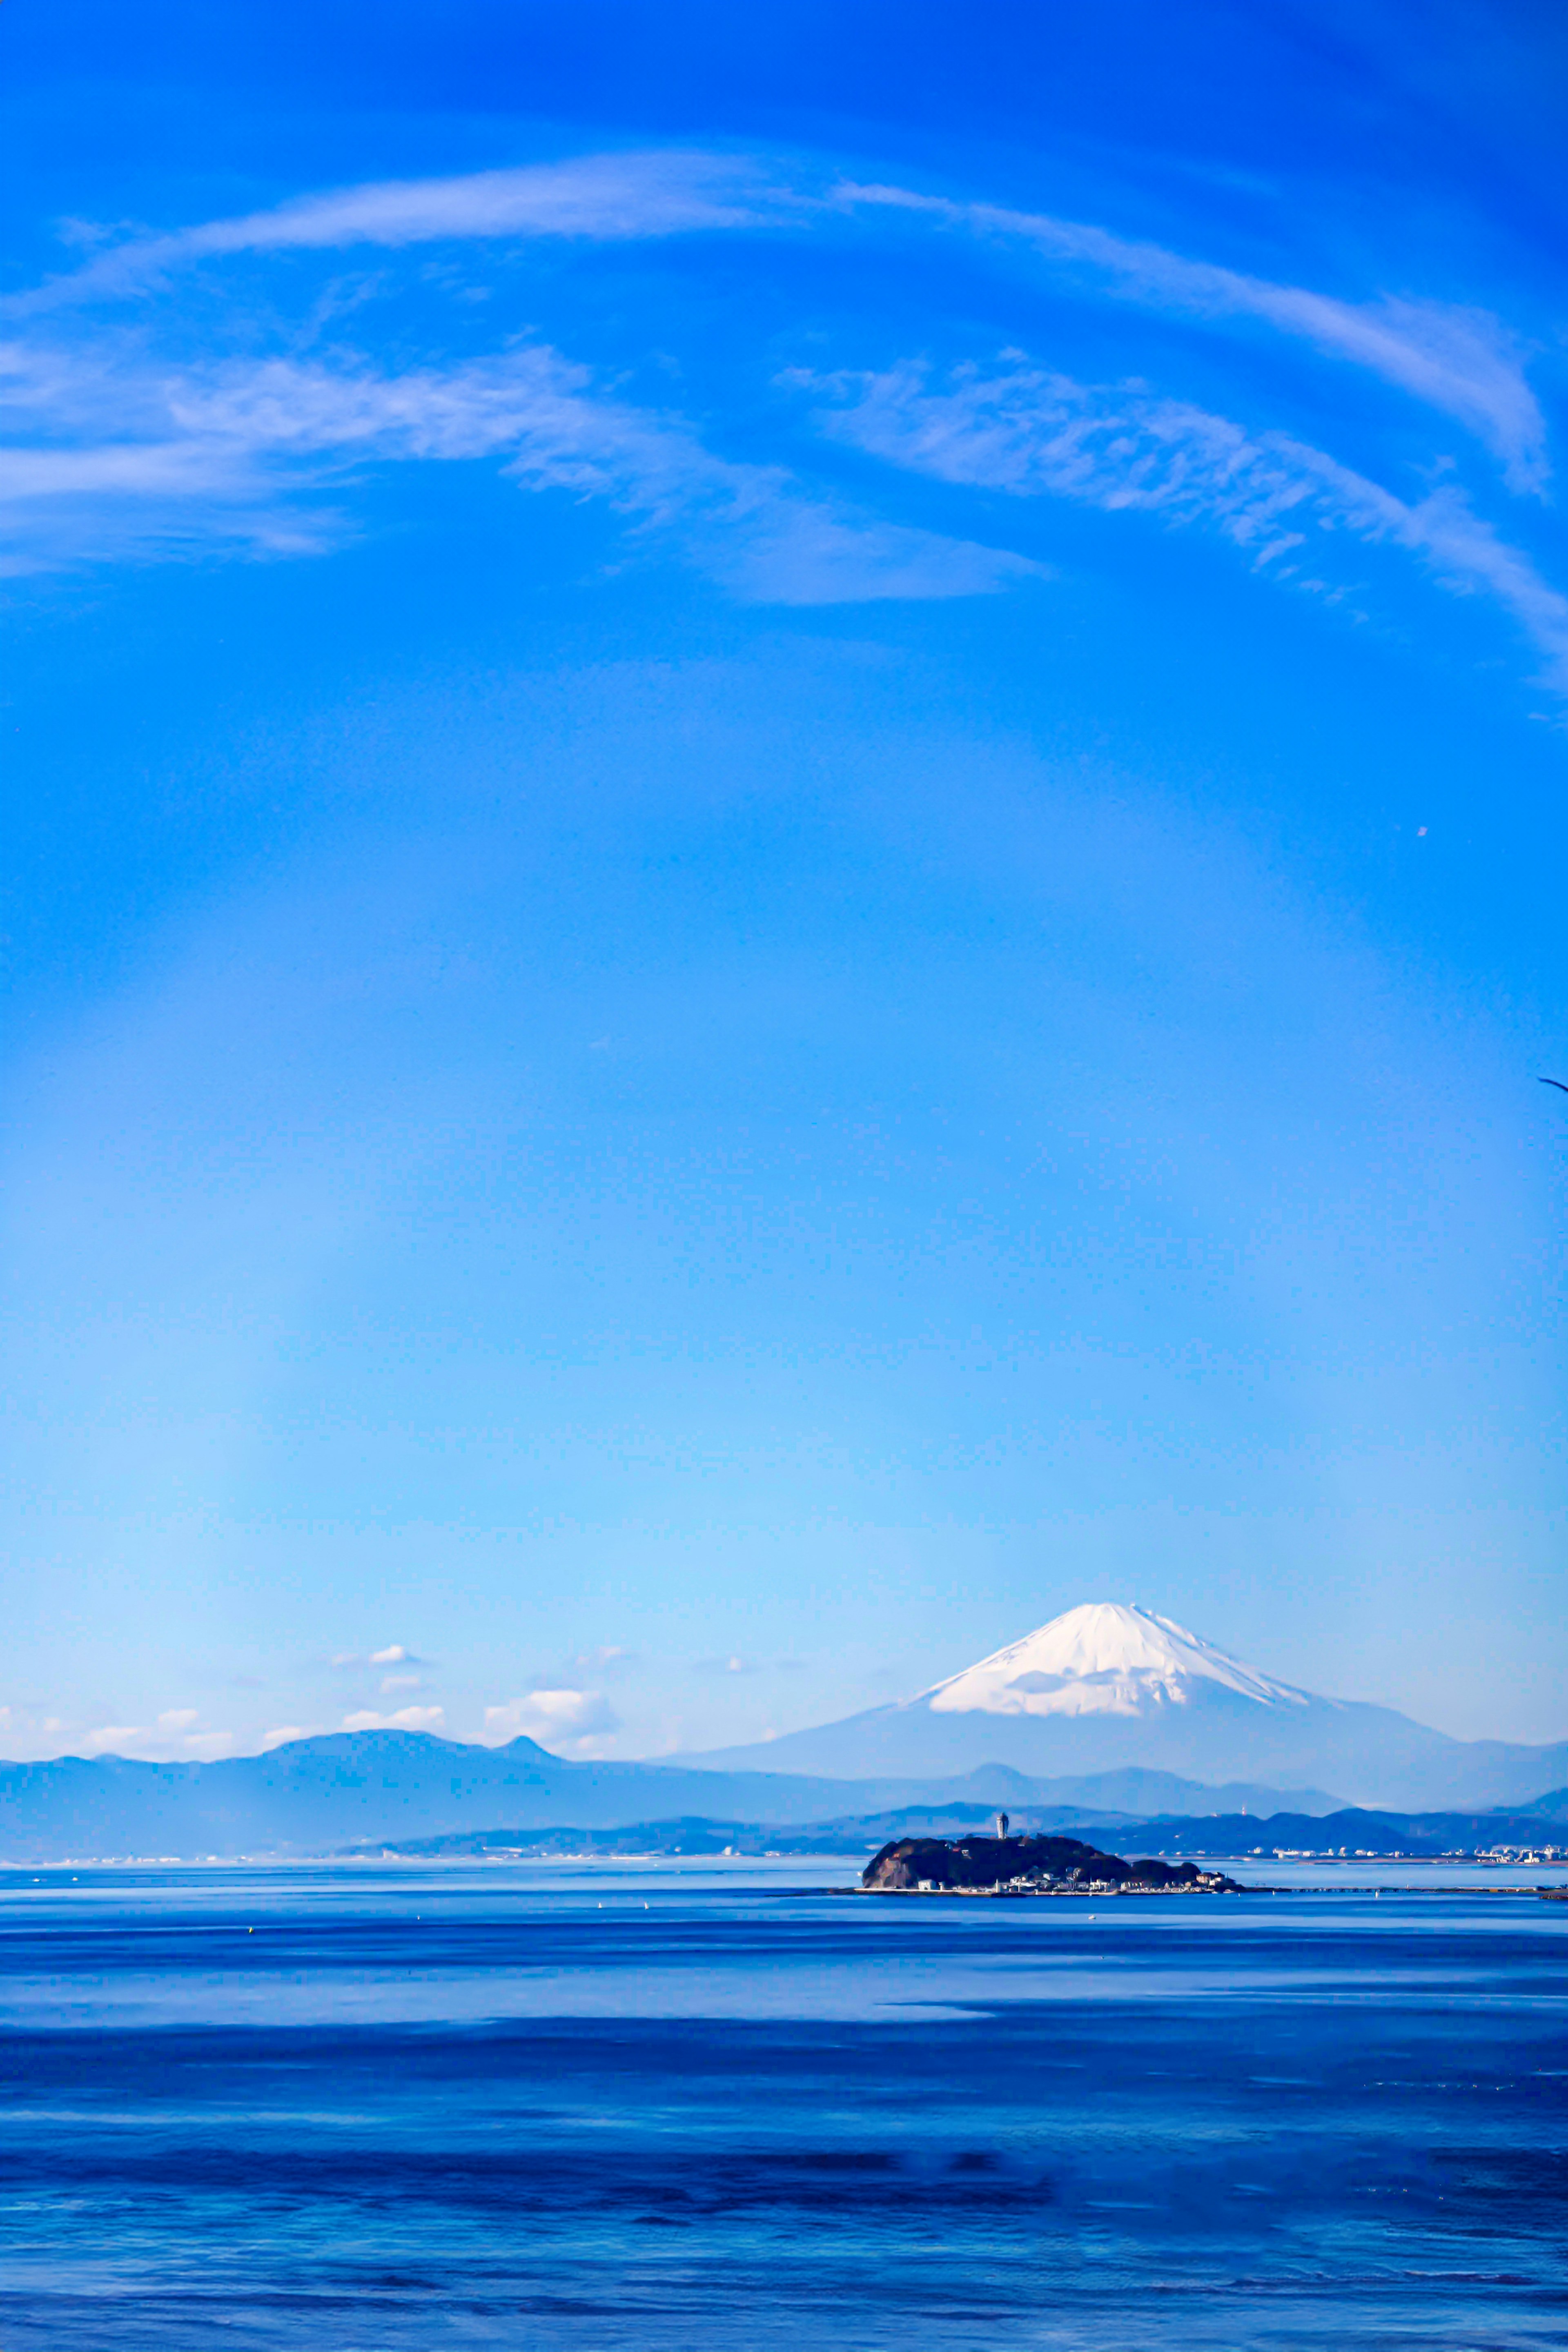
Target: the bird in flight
(1558, 1083)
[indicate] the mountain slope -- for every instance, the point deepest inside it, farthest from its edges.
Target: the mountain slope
(313, 1796)
(1108, 1686)
(1103, 1658)
(1108, 1707)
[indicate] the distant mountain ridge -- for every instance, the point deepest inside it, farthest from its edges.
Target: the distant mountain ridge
(315, 1796)
(1109, 1686)
(1351, 1834)
(1360, 1833)
(1110, 1713)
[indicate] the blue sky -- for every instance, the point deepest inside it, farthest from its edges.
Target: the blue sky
(786, 809)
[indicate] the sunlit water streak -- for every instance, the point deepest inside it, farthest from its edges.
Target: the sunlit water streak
(378, 2107)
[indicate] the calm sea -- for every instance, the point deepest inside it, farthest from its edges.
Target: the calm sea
(378, 2108)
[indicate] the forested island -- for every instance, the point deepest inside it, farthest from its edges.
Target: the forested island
(1000, 1864)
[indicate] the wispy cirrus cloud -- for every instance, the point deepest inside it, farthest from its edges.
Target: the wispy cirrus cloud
(115, 455)
(1030, 432)
(235, 453)
(1459, 360)
(605, 198)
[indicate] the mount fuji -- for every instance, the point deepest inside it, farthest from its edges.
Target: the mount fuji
(1108, 1686)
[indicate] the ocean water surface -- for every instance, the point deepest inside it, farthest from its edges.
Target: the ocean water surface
(386, 2107)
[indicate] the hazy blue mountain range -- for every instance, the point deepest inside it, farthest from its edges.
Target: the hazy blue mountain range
(1108, 1686)
(1355, 1832)
(1358, 1831)
(1108, 1715)
(409, 1790)
(313, 1796)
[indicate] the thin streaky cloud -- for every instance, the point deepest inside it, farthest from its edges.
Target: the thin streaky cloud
(185, 468)
(227, 454)
(1461, 360)
(805, 552)
(604, 197)
(116, 456)
(1032, 432)
(601, 196)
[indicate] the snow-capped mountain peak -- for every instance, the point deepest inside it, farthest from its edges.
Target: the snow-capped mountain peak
(1104, 1658)
(1107, 1688)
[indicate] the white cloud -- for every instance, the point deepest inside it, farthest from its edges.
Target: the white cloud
(115, 454)
(171, 1739)
(1461, 360)
(406, 1718)
(227, 450)
(601, 197)
(571, 1722)
(395, 1653)
(614, 1656)
(282, 1734)
(806, 555)
(1032, 432)
(1458, 359)
(647, 193)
